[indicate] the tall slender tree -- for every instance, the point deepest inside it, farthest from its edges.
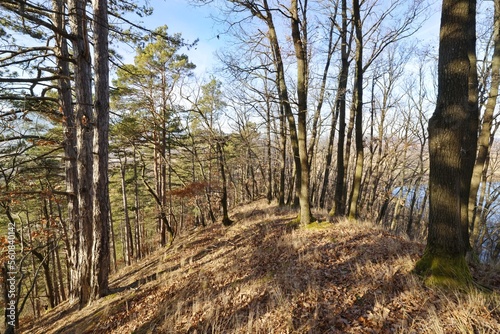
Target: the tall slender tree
(100, 246)
(84, 124)
(485, 133)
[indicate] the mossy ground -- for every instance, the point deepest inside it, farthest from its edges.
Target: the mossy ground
(445, 271)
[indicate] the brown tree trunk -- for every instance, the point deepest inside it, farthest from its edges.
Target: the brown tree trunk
(69, 144)
(269, 194)
(222, 168)
(128, 246)
(138, 239)
(84, 133)
(486, 126)
(284, 99)
(112, 243)
(281, 192)
(358, 102)
(443, 262)
(100, 247)
(302, 72)
(338, 208)
(470, 134)
(321, 200)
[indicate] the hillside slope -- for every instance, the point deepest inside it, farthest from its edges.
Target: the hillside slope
(262, 276)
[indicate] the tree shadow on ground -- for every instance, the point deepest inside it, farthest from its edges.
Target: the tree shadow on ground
(302, 276)
(229, 280)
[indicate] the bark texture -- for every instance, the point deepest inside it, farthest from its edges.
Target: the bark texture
(443, 262)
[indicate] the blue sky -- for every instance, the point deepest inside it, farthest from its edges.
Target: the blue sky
(193, 22)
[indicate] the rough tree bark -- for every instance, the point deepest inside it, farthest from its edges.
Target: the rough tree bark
(84, 134)
(69, 144)
(443, 262)
(100, 246)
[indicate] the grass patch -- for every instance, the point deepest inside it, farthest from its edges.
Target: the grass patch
(318, 225)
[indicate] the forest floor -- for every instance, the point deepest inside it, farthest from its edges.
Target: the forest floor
(261, 275)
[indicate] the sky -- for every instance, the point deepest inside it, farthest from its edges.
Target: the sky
(195, 22)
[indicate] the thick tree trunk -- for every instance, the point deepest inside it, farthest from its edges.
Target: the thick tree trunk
(100, 247)
(443, 262)
(84, 134)
(470, 133)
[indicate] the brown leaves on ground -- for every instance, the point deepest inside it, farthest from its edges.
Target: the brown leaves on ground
(262, 276)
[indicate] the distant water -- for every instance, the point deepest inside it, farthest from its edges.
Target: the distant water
(488, 209)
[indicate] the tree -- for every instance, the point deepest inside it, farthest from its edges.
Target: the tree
(84, 124)
(340, 108)
(297, 14)
(485, 135)
(101, 209)
(299, 37)
(148, 88)
(443, 262)
(208, 109)
(358, 110)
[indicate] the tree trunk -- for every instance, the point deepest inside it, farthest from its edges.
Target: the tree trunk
(329, 154)
(112, 242)
(100, 247)
(69, 144)
(302, 72)
(269, 194)
(328, 159)
(84, 133)
(138, 239)
(338, 208)
(285, 101)
(443, 262)
(220, 157)
(60, 276)
(281, 193)
(470, 133)
(486, 126)
(322, 93)
(45, 259)
(128, 246)
(358, 101)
